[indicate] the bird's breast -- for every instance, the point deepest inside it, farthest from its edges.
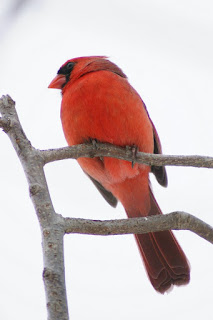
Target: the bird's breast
(103, 106)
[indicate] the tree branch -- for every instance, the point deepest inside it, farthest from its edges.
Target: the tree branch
(172, 221)
(50, 223)
(108, 150)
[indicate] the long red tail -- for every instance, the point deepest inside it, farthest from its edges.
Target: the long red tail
(165, 261)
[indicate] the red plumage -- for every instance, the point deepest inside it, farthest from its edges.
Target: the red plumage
(99, 103)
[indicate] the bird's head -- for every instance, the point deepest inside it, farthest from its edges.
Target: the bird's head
(75, 68)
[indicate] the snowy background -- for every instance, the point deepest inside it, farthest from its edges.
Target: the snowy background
(166, 48)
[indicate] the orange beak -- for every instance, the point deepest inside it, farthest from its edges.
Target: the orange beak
(58, 82)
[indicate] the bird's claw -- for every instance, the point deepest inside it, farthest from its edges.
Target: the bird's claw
(94, 143)
(134, 154)
(134, 150)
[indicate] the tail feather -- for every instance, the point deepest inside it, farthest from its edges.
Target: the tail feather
(165, 261)
(166, 265)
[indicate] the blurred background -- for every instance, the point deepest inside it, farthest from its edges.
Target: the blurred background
(166, 49)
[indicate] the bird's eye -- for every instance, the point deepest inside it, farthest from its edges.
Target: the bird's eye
(70, 66)
(67, 69)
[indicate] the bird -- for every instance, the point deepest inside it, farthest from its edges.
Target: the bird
(100, 105)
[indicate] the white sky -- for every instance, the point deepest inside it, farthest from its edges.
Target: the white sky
(165, 47)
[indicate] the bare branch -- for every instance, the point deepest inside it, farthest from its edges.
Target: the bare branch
(108, 150)
(50, 223)
(171, 221)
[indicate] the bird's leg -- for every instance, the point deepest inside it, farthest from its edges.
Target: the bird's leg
(134, 150)
(94, 142)
(134, 154)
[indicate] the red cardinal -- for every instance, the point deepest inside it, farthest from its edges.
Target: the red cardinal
(98, 103)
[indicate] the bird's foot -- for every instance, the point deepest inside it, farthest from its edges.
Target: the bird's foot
(134, 150)
(94, 142)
